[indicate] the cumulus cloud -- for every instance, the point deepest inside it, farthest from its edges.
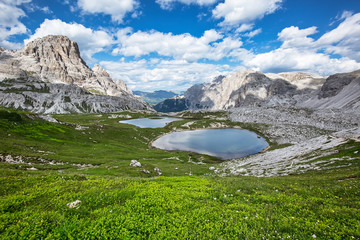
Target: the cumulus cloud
(211, 45)
(299, 52)
(295, 37)
(344, 39)
(163, 74)
(236, 12)
(89, 41)
(168, 4)
(9, 21)
(117, 9)
(293, 59)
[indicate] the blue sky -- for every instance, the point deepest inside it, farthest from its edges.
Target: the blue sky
(173, 44)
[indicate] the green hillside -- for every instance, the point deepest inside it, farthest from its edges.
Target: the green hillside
(47, 165)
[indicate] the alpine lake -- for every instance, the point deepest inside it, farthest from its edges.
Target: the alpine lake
(223, 143)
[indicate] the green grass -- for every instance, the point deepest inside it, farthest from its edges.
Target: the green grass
(123, 202)
(34, 207)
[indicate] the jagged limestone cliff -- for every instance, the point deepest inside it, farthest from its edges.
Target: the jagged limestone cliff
(252, 88)
(54, 63)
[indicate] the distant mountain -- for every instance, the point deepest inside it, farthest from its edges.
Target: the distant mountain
(249, 88)
(48, 75)
(157, 96)
(253, 88)
(176, 104)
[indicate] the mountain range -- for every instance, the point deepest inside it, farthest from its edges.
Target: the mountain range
(49, 76)
(248, 88)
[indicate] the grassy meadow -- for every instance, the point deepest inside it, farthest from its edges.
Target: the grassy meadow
(87, 157)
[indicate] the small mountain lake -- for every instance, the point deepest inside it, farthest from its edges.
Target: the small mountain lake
(227, 143)
(151, 122)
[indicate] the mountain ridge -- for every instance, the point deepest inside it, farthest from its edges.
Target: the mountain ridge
(56, 62)
(248, 88)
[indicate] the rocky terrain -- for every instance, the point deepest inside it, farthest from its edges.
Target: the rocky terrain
(248, 88)
(311, 134)
(340, 91)
(48, 98)
(309, 116)
(49, 76)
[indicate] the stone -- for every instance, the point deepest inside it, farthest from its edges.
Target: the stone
(157, 170)
(135, 163)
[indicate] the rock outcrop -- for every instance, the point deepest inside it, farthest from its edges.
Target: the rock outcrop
(49, 98)
(340, 91)
(54, 63)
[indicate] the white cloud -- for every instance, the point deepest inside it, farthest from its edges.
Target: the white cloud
(343, 40)
(10, 23)
(163, 74)
(299, 52)
(292, 59)
(253, 33)
(168, 4)
(295, 37)
(89, 41)
(31, 7)
(244, 27)
(211, 45)
(236, 12)
(116, 8)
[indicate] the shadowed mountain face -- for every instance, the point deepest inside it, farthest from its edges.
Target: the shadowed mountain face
(54, 63)
(172, 105)
(340, 91)
(156, 96)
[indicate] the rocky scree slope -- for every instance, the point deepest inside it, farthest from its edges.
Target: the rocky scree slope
(49, 76)
(340, 91)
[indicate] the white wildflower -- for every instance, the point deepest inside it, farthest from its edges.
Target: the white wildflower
(75, 204)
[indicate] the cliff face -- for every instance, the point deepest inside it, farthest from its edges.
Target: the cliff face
(248, 88)
(251, 88)
(340, 91)
(57, 60)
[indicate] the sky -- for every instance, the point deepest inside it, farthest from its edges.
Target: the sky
(174, 44)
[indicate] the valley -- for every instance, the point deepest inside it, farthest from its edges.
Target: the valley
(48, 162)
(72, 168)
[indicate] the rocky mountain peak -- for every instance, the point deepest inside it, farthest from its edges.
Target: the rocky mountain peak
(54, 48)
(57, 60)
(99, 71)
(61, 45)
